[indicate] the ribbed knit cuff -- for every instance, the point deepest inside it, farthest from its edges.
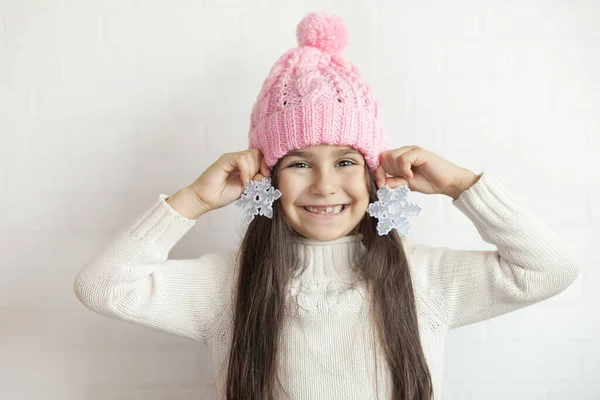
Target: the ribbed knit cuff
(160, 225)
(487, 201)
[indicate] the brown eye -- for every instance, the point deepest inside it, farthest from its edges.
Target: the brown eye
(295, 165)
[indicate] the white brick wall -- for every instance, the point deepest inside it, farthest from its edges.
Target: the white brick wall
(104, 104)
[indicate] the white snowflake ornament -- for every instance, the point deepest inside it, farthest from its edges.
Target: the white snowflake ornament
(258, 199)
(392, 208)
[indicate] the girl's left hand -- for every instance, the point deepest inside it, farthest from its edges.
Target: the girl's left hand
(423, 172)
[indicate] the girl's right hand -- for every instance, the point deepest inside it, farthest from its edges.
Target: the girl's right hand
(223, 182)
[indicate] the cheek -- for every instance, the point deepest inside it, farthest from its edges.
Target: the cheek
(289, 190)
(358, 188)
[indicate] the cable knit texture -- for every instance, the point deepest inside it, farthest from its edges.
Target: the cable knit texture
(328, 350)
(313, 95)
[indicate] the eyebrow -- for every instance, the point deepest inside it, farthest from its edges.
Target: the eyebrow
(337, 153)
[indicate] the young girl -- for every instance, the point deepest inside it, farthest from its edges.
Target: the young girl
(316, 304)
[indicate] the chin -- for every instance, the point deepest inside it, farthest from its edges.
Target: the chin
(325, 236)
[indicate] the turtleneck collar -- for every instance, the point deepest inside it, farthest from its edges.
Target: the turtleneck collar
(329, 260)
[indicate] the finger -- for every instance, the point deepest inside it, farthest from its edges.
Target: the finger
(258, 166)
(252, 162)
(418, 157)
(396, 182)
(380, 176)
(390, 160)
(264, 169)
(395, 153)
(242, 166)
(228, 162)
(388, 166)
(405, 165)
(413, 158)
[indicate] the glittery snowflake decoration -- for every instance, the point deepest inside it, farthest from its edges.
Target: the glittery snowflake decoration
(391, 210)
(257, 199)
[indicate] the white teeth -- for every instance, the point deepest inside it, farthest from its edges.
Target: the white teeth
(328, 210)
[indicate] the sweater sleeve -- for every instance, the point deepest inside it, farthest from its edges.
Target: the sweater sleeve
(530, 264)
(131, 278)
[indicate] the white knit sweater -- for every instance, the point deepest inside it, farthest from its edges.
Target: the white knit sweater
(327, 349)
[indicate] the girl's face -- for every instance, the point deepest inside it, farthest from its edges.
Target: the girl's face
(319, 176)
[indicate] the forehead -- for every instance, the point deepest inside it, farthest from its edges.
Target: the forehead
(323, 150)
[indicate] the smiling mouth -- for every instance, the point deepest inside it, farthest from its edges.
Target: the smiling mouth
(332, 210)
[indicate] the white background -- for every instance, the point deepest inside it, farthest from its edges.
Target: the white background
(104, 104)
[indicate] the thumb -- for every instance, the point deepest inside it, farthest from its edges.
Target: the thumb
(396, 182)
(263, 172)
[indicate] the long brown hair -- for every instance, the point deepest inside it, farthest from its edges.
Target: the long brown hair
(267, 259)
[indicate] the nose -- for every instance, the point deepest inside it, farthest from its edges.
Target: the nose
(324, 183)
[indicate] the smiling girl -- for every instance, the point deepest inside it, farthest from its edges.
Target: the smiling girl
(316, 304)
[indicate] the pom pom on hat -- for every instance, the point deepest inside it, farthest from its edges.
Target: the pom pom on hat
(325, 32)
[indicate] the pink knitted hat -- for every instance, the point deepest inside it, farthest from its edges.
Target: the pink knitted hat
(313, 95)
